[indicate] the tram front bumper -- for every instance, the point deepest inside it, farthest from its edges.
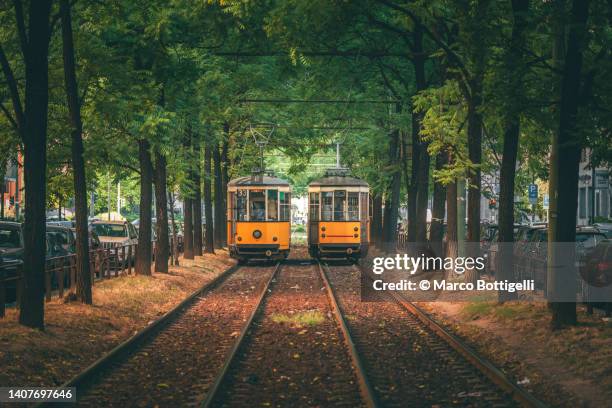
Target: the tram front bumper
(258, 251)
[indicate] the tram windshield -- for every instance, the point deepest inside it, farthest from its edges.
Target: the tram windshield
(257, 200)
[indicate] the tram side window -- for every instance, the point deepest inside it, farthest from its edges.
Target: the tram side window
(285, 205)
(314, 207)
(272, 205)
(240, 210)
(353, 206)
(258, 205)
(339, 205)
(327, 198)
(364, 205)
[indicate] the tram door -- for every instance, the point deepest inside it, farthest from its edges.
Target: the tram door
(313, 219)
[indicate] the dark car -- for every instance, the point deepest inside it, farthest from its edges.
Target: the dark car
(586, 239)
(11, 240)
(596, 277)
(64, 237)
(491, 250)
(522, 245)
(94, 240)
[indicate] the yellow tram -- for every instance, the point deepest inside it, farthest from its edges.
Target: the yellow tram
(258, 217)
(338, 216)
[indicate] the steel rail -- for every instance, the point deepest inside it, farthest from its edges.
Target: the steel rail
(85, 378)
(214, 389)
(494, 374)
(367, 392)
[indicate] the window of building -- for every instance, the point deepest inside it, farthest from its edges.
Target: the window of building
(353, 206)
(582, 201)
(313, 214)
(285, 205)
(327, 201)
(272, 205)
(257, 209)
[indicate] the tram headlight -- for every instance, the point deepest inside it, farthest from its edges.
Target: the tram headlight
(356, 229)
(239, 238)
(274, 239)
(322, 235)
(323, 228)
(257, 234)
(355, 235)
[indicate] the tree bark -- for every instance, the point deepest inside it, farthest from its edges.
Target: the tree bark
(188, 247)
(225, 174)
(377, 220)
(568, 149)
(413, 186)
(162, 247)
(209, 238)
(83, 274)
(422, 166)
(188, 250)
(34, 135)
(451, 220)
(174, 248)
(439, 203)
(144, 250)
(392, 205)
(219, 218)
(197, 200)
(474, 179)
(514, 56)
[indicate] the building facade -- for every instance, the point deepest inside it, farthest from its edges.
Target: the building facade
(594, 192)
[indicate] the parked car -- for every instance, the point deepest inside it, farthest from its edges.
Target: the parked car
(9, 270)
(596, 274)
(115, 233)
(604, 228)
(586, 239)
(11, 240)
(491, 250)
(94, 240)
(64, 237)
(521, 246)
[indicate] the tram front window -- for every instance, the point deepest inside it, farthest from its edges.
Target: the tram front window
(327, 199)
(353, 206)
(257, 209)
(240, 209)
(339, 205)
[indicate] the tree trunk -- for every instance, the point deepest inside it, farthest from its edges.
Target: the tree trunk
(175, 252)
(83, 274)
(144, 250)
(451, 220)
(566, 168)
(377, 220)
(392, 205)
(474, 180)
(162, 247)
(219, 218)
(422, 166)
(225, 180)
(439, 204)
(34, 135)
(188, 250)
(413, 187)
(197, 201)
(209, 238)
(505, 263)
(188, 247)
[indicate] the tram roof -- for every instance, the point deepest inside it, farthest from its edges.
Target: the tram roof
(247, 181)
(338, 181)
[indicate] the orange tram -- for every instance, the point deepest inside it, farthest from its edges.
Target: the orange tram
(338, 216)
(258, 217)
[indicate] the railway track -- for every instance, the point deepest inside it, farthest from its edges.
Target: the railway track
(173, 362)
(413, 361)
(286, 361)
